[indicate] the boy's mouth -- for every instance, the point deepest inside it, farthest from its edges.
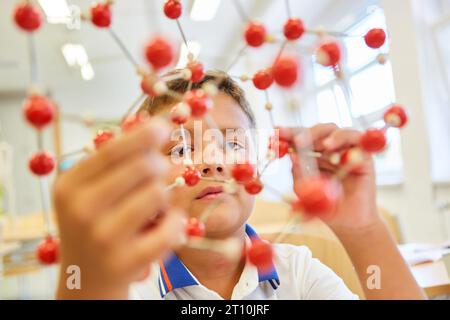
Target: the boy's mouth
(210, 193)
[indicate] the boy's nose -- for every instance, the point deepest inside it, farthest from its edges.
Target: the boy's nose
(211, 170)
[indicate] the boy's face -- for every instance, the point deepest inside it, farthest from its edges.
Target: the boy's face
(227, 212)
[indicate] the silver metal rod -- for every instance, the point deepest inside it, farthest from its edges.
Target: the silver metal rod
(287, 228)
(43, 188)
(124, 49)
(182, 34)
(288, 8)
(34, 72)
(133, 106)
(236, 58)
(240, 10)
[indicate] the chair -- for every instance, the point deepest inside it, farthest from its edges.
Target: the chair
(269, 218)
(392, 224)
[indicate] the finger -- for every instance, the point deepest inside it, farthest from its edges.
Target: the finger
(312, 137)
(325, 165)
(136, 211)
(317, 132)
(342, 139)
(308, 139)
(117, 184)
(151, 135)
(321, 131)
(164, 237)
(296, 171)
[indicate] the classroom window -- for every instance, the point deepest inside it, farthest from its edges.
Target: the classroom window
(360, 99)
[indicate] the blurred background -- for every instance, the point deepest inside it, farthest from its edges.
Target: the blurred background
(87, 75)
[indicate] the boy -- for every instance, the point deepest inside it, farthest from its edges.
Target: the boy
(105, 202)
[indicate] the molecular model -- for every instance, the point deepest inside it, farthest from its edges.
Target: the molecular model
(316, 195)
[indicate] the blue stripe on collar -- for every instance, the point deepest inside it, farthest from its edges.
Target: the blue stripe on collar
(272, 274)
(173, 274)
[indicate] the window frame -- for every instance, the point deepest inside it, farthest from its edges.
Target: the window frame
(386, 175)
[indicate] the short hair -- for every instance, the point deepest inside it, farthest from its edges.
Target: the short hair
(224, 84)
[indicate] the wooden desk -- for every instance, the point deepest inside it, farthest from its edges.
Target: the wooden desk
(24, 228)
(433, 278)
(5, 249)
(8, 247)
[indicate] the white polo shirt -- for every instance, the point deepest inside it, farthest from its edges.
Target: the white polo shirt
(295, 275)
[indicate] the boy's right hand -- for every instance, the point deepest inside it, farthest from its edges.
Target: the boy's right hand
(104, 204)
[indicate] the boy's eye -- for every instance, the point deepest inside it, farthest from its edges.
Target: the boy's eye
(234, 145)
(179, 151)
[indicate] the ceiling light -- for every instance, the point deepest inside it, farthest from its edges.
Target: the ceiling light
(57, 11)
(76, 57)
(87, 72)
(75, 54)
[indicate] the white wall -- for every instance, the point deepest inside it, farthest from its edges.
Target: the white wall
(415, 201)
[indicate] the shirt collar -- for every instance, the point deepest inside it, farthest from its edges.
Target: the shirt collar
(271, 275)
(173, 274)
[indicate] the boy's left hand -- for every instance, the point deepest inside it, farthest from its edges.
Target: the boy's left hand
(357, 208)
(356, 222)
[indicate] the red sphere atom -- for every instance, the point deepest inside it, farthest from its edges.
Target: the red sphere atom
(329, 54)
(351, 157)
(39, 111)
(243, 172)
(375, 38)
(179, 114)
(132, 122)
(253, 187)
(147, 86)
(195, 228)
(191, 176)
(27, 17)
(159, 53)
(199, 102)
(101, 15)
(48, 251)
(296, 206)
(102, 137)
(318, 196)
(279, 146)
(294, 28)
(197, 71)
(373, 141)
(173, 9)
(41, 163)
(255, 34)
(285, 71)
(396, 116)
(263, 79)
(260, 254)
